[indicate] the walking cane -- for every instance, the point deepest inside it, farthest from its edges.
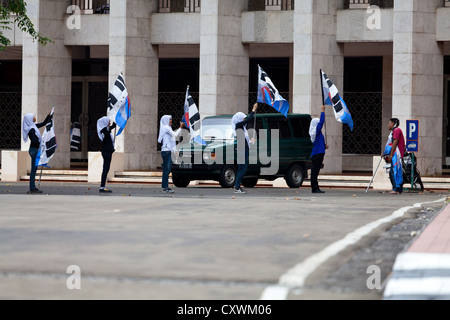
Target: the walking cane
(374, 175)
(40, 176)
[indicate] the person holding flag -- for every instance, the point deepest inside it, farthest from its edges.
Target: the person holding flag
(104, 131)
(30, 130)
(319, 149)
(167, 137)
(394, 153)
(239, 125)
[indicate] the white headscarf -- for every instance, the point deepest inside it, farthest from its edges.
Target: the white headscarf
(237, 118)
(164, 127)
(28, 124)
(102, 123)
(313, 129)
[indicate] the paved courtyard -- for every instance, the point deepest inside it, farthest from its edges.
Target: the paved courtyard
(200, 243)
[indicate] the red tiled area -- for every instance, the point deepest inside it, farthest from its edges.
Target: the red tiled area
(436, 237)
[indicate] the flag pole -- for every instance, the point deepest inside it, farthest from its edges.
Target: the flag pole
(323, 103)
(115, 136)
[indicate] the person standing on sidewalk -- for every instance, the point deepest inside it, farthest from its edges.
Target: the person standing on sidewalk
(167, 137)
(239, 125)
(31, 130)
(104, 131)
(394, 153)
(319, 149)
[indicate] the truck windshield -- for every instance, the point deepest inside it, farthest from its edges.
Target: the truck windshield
(217, 129)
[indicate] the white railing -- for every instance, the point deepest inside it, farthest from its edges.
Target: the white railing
(364, 4)
(359, 4)
(179, 6)
(92, 6)
(279, 5)
(192, 6)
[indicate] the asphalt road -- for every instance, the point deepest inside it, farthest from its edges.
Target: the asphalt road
(201, 243)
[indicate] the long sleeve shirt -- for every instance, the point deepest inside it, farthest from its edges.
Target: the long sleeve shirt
(169, 140)
(246, 121)
(108, 144)
(319, 144)
(35, 142)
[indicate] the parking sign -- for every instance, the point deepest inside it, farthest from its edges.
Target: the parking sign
(412, 136)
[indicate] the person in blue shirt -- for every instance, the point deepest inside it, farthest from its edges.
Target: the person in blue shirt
(319, 149)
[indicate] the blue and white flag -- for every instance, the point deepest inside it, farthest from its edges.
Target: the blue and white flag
(119, 106)
(48, 144)
(267, 93)
(75, 137)
(191, 119)
(332, 98)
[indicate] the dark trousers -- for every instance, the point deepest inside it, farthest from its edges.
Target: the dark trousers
(242, 169)
(167, 167)
(317, 161)
(107, 157)
(33, 154)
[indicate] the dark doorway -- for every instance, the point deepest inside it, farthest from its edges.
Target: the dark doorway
(446, 120)
(175, 75)
(363, 83)
(10, 104)
(89, 97)
(447, 111)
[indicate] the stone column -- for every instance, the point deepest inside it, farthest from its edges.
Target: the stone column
(417, 77)
(47, 74)
(131, 52)
(315, 48)
(224, 60)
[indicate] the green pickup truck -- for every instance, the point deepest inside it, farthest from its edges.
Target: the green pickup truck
(282, 149)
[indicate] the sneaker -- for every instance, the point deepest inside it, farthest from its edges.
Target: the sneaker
(105, 191)
(35, 191)
(318, 191)
(240, 190)
(168, 190)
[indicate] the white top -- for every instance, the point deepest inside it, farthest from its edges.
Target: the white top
(169, 140)
(167, 137)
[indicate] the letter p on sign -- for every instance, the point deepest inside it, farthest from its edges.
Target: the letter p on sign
(412, 136)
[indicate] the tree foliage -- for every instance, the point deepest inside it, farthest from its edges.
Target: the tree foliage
(14, 12)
